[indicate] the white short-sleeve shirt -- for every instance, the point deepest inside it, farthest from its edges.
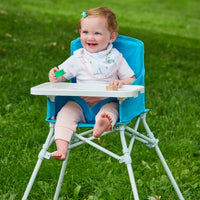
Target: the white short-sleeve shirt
(75, 66)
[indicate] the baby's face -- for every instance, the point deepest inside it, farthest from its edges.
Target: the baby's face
(95, 35)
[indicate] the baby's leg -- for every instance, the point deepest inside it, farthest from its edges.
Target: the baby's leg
(106, 119)
(66, 123)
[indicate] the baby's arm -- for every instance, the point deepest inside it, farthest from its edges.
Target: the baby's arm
(119, 83)
(52, 77)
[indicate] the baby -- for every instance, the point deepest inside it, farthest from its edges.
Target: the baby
(96, 63)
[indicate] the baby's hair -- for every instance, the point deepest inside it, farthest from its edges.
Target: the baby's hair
(102, 12)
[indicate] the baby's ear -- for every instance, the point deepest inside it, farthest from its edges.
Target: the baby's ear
(113, 36)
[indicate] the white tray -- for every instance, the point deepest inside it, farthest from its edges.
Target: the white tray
(77, 89)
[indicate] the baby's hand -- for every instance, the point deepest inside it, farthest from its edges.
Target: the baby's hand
(52, 76)
(119, 83)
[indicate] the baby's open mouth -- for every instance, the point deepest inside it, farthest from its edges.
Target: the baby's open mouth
(91, 44)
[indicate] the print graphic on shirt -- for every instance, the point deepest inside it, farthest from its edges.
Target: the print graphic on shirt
(101, 65)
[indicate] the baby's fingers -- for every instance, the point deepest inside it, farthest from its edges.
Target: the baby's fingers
(52, 77)
(116, 82)
(53, 70)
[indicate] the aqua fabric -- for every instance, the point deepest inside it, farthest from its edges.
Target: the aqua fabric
(133, 51)
(89, 112)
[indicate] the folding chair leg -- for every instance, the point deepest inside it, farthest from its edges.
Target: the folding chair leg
(161, 157)
(60, 180)
(32, 179)
(132, 180)
(127, 160)
(43, 154)
(169, 173)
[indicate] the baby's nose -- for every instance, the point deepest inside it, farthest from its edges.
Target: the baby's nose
(91, 37)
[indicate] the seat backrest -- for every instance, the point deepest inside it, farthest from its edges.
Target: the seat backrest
(133, 51)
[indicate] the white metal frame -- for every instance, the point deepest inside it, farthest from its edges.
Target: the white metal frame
(124, 131)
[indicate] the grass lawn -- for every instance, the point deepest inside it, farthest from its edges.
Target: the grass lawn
(35, 36)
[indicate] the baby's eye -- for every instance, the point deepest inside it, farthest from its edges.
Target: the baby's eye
(97, 33)
(85, 32)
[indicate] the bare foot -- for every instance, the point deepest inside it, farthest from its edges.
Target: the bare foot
(102, 124)
(62, 147)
